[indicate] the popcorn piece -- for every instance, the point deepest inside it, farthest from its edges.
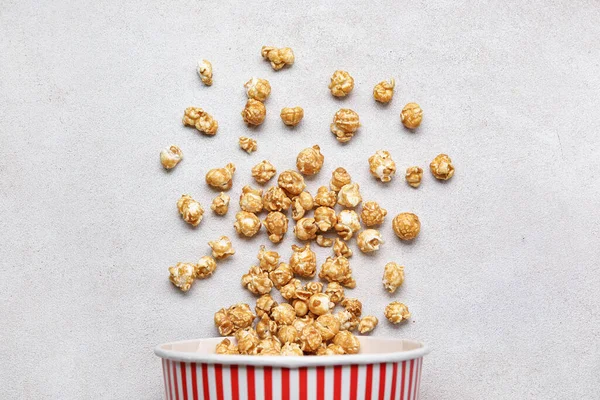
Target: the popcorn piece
(367, 324)
(345, 124)
(291, 349)
(324, 241)
(310, 160)
(220, 204)
(292, 182)
(265, 327)
(303, 261)
(226, 347)
(221, 248)
(325, 218)
(348, 321)
(246, 223)
(340, 248)
(396, 312)
(414, 176)
(264, 305)
(191, 211)
(325, 197)
(182, 276)
(348, 223)
(257, 281)
(341, 83)
(328, 326)
(393, 276)
(275, 199)
(335, 291)
(384, 91)
(251, 199)
(319, 304)
(258, 89)
(221, 178)
(281, 275)
(287, 334)
(339, 178)
(247, 340)
(441, 167)
(263, 171)
(268, 347)
(352, 305)
(254, 113)
(170, 157)
(300, 323)
(205, 72)
(347, 341)
(310, 339)
(201, 120)
(382, 166)
(290, 290)
(276, 224)
(314, 287)
(301, 308)
(229, 320)
(332, 350)
(268, 260)
(411, 115)
(278, 58)
(406, 226)
(337, 270)
(283, 314)
(291, 116)
(372, 214)
(349, 195)
(300, 204)
(369, 240)
(205, 267)
(305, 229)
(247, 144)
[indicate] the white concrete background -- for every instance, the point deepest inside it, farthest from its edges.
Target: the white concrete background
(502, 282)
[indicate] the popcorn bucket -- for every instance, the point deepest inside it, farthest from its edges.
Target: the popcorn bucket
(384, 369)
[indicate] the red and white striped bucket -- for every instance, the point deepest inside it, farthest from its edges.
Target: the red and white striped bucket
(385, 369)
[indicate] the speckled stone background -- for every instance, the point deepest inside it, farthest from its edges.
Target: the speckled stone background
(503, 281)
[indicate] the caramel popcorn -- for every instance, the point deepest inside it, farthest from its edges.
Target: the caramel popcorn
(191, 211)
(325, 218)
(291, 116)
(247, 144)
(283, 314)
(251, 199)
(310, 339)
(221, 248)
(384, 91)
(314, 287)
(170, 157)
(414, 176)
(393, 276)
(325, 197)
(345, 124)
(276, 224)
(349, 195)
(301, 307)
(369, 240)
(300, 204)
(264, 305)
(310, 160)
(257, 281)
(281, 275)
(229, 320)
(247, 340)
(221, 178)
(441, 167)
(303, 261)
(382, 166)
(406, 226)
(300, 323)
(254, 113)
(268, 347)
(205, 72)
(337, 270)
(352, 305)
(182, 276)
(348, 321)
(263, 171)
(278, 57)
(201, 120)
(226, 347)
(348, 222)
(305, 229)
(340, 248)
(411, 115)
(324, 241)
(372, 214)
(287, 334)
(220, 204)
(290, 290)
(265, 327)
(341, 83)
(291, 349)
(347, 341)
(327, 325)
(335, 291)
(331, 350)
(246, 223)
(367, 324)
(258, 89)
(292, 182)
(205, 267)
(396, 312)
(339, 178)
(268, 260)
(319, 304)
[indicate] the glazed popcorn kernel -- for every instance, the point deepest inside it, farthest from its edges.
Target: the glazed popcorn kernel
(205, 267)
(367, 324)
(301, 307)
(247, 340)
(345, 124)
(303, 261)
(305, 229)
(393, 276)
(310, 339)
(269, 346)
(276, 225)
(347, 341)
(251, 199)
(327, 325)
(258, 89)
(339, 178)
(396, 312)
(265, 327)
(314, 287)
(247, 144)
(325, 197)
(268, 260)
(275, 199)
(325, 218)
(257, 281)
(340, 248)
(348, 223)
(369, 240)
(441, 167)
(411, 115)
(201, 120)
(263, 171)
(205, 72)
(406, 226)
(319, 304)
(341, 83)
(310, 160)
(281, 275)
(226, 347)
(352, 305)
(337, 270)
(331, 350)
(170, 157)
(287, 334)
(372, 214)
(289, 291)
(300, 204)
(254, 113)
(414, 176)
(291, 116)
(349, 195)
(300, 322)
(191, 211)
(229, 320)
(382, 166)
(221, 248)
(324, 241)
(221, 178)
(384, 91)
(220, 204)
(348, 321)
(246, 223)
(264, 305)
(182, 276)
(283, 314)
(292, 182)
(335, 291)
(291, 349)
(278, 57)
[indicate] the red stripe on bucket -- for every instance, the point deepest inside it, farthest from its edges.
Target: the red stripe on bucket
(303, 377)
(235, 384)
(337, 382)
(320, 383)
(382, 371)
(169, 380)
(394, 378)
(205, 389)
(194, 381)
(353, 382)
(369, 382)
(285, 384)
(183, 380)
(175, 381)
(219, 379)
(251, 384)
(268, 376)
(410, 378)
(402, 380)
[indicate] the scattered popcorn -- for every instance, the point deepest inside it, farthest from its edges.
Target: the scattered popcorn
(406, 226)
(310, 160)
(348, 222)
(276, 225)
(263, 171)
(369, 240)
(291, 116)
(301, 307)
(254, 113)
(246, 223)
(247, 340)
(352, 305)
(414, 176)
(264, 305)
(325, 197)
(221, 178)
(236, 317)
(367, 324)
(221, 248)
(226, 347)
(220, 204)
(339, 178)
(305, 229)
(251, 199)
(335, 291)
(258, 89)
(191, 211)
(201, 120)
(319, 304)
(268, 260)
(292, 182)
(327, 325)
(396, 312)
(303, 261)
(170, 157)
(372, 214)
(345, 124)
(324, 241)
(265, 327)
(382, 166)
(275, 199)
(411, 115)
(384, 91)
(257, 281)
(349, 195)
(310, 339)
(341, 83)
(205, 267)
(347, 341)
(441, 167)
(337, 270)
(287, 334)
(340, 248)
(205, 72)
(325, 218)
(393, 276)
(291, 349)
(283, 314)
(182, 276)
(348, 321)
(300, 204)
(278, 58)
(247, 144)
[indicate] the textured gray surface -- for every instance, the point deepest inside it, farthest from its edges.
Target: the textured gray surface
(502, 282)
